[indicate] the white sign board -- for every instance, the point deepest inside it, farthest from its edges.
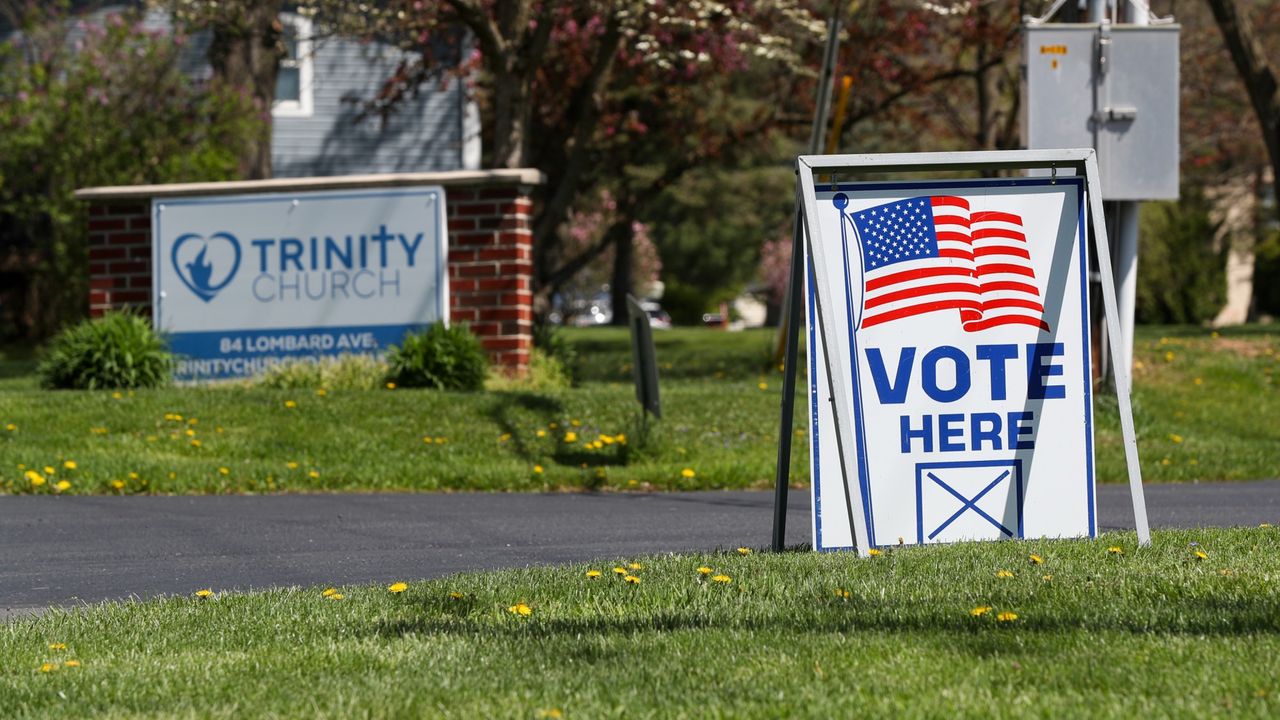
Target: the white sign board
(243, 282)
(961, 342)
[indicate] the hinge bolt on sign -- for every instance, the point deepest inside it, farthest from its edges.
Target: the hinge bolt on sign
(949, 365)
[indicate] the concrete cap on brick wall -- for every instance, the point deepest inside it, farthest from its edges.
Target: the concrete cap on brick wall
(469, 178)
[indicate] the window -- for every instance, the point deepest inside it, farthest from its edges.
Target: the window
(294, 75)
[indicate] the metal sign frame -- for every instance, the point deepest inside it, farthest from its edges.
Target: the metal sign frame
(1079, 162)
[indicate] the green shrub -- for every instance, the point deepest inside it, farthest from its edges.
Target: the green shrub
(344, 372)
(557, 347)
(119, 350)
(443, 358)
(546, 372)
(1181, 277)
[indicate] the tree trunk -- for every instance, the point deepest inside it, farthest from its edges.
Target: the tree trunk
(1259, 78)
(623, 251)
(245, 52)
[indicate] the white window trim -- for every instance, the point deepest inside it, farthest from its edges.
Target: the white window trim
(304, 105)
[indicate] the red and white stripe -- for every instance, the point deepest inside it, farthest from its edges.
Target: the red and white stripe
(929, 284)
(1007, 284)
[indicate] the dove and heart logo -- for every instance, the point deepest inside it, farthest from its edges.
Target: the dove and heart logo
(206, 265)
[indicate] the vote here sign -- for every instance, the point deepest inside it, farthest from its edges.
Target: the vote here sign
(962, 341)
(243, 282)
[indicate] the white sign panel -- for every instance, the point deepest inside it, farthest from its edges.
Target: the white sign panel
(243, 282)
(962, 343)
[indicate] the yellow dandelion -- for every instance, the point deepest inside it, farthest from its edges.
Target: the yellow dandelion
(1264, 525)
(721, 579)
(1174, 437)
(328, 591)
(632, 579)
(575, 423)
(541, 433)
(117, 484)
(874, 552)
(688, 473)
(635, 566)
(98, 430)
(224, 471)
(842, 593)
(1036, 559)
(61, 485)
(620, 570)
(537, 469)
(1198, 381)
(504, 437)
(116, 396)
(321, 392)
(1201, 555)
(335, 596)
(11, 427)
(391, 386)
(196, 444)
(553, 426)
(291, 465)
(593, 574)
(397, 587)
(313, 474)
(704, 570)
(763, 385)
(621, 438)
(441, 440)
(1047, 578)
(744, 551)
(1168, 356)
(48, 667)
(290, 404)
(57, 646)
(550, 713)
(1115, 550)
(72, 663)
(607, 440)
(49, 470)
(980, 610)
(35, 478)
(69, 464)
(133, 476)
(190, 432)
(520, 609)
(455, 595)
(1007, 616)
(571, 436)
(1004, 574)
(205, 593)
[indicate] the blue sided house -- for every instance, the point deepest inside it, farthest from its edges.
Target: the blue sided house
(324, 81)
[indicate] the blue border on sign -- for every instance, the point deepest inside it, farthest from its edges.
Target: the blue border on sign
(438, 213)
(1082, 237)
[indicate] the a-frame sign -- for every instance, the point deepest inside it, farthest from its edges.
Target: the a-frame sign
(948, 336)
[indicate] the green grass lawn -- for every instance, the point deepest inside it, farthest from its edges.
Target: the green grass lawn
(1205, 407)
(1142, 632)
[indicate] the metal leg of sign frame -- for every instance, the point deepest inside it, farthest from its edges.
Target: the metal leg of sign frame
(792, 315)
(1083, 161)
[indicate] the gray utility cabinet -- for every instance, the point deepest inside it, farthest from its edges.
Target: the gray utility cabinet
(1113, 88)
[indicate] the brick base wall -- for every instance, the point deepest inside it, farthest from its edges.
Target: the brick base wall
(490, 260)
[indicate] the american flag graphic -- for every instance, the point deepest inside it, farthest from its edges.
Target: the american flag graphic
(926, 254)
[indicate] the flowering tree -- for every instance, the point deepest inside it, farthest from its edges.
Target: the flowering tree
(624, 94)
(85, 104)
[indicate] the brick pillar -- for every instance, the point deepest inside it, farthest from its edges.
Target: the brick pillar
(491, 269)
(119, 257)
(490, 247)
